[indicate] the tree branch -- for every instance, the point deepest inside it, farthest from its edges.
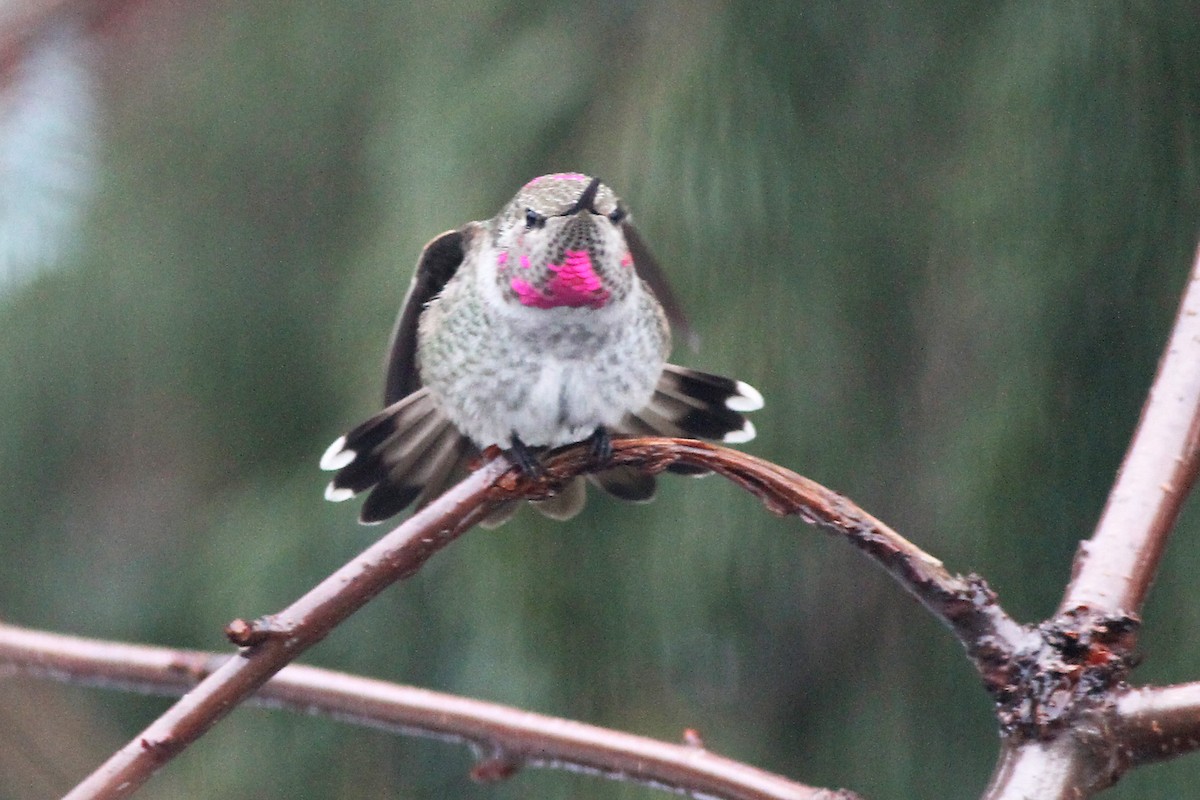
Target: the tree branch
(274, 641)
(1156, 723)
(505, 738)
(1063, 768)
(1074, 728)
(966, 605)
(1114, 569)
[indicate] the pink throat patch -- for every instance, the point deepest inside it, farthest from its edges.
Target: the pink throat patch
(574, 284)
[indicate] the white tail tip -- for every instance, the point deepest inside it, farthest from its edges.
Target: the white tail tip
(337, 456)
(747, 399)
(336, 495)
(742, 436)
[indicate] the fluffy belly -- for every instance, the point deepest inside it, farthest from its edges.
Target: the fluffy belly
(557, 403)
(569, 401)
(548, 404)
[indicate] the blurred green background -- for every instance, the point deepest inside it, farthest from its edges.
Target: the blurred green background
(945, 239)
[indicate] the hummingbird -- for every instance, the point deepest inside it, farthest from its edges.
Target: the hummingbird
(547, 325)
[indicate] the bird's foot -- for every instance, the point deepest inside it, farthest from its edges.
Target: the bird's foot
(600, 445)
(524, 459)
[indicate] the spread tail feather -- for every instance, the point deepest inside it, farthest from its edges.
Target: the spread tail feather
(696, 405)
(407, 452)
(692, 404)
(702, 406)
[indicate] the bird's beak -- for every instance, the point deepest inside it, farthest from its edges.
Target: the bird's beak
(586, 200)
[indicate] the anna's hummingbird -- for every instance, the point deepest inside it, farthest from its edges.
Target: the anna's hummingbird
(538, 328)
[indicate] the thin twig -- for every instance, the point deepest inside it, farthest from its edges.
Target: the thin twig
(506, 737)
(1116, 566)
(277, 640)
(1157, 722)
(965, 604)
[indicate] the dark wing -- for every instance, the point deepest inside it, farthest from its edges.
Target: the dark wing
(439, 261)
(648, 268)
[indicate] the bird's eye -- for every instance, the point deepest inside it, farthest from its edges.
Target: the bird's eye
(533, 219)
(617, 215)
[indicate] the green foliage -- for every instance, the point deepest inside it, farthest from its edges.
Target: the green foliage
(945, 240)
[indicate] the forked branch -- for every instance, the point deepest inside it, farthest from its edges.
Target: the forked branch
(1100, 727)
